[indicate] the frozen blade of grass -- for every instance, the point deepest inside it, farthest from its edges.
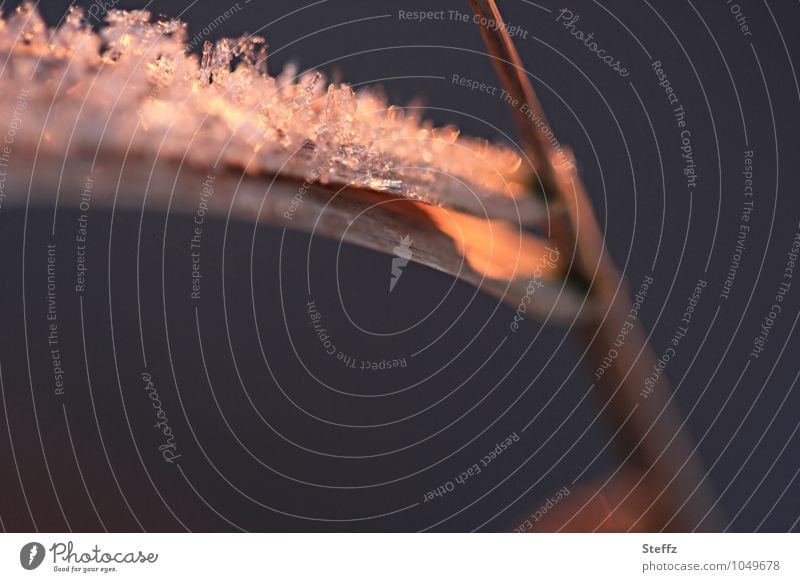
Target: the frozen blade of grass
(133, 87)
(494, 256)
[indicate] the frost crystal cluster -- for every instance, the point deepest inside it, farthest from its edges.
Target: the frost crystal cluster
(133, 89)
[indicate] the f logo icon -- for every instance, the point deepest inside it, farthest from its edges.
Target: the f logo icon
(31, 555)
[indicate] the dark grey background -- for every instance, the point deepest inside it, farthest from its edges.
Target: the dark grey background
(254, 456)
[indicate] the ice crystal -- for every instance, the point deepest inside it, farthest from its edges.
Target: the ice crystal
(133, 88)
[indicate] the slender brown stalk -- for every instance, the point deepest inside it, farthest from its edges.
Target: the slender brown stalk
(653, 438)
(509, 68)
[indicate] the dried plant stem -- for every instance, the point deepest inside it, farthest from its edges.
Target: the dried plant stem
(653, 438)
